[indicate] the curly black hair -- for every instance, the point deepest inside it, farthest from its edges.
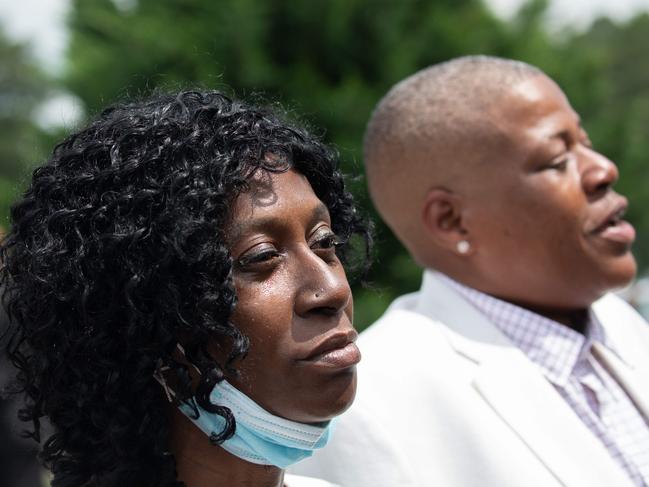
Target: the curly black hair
(116, 254)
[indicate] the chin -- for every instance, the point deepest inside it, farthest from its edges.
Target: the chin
(619, 274)
(627, 270)
(328, 401)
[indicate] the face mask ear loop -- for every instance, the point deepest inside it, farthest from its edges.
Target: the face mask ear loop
(158, 375)
(160, 370)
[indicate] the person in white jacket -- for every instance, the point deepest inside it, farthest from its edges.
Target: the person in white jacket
(513, 365)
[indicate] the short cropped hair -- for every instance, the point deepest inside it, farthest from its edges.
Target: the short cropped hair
(439, 110)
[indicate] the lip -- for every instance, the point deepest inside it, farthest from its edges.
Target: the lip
(621, 231)
(338, 351)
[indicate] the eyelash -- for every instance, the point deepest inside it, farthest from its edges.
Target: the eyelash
(560, 165)
(257, 258)
(326, 243)
(333, 241)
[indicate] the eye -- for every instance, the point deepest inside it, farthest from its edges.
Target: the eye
(328, 242)
(560, 165)
(258, 258)
(324, 239)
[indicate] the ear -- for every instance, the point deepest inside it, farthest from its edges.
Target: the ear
(442, 220)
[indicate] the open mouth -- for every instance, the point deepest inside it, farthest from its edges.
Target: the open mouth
(613, 220)
(615, 228)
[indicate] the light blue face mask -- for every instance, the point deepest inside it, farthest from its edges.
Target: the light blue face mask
(260, 437)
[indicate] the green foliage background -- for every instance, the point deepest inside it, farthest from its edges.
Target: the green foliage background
(330, 61)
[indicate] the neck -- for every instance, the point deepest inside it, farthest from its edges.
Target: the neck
(201, 464)
(577, 319)
(573, 317)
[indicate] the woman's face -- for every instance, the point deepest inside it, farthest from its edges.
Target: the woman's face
(294, 302)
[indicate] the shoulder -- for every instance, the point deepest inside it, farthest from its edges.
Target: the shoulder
(615, 313)
(400, 325)
(399, 342)
(409, 360)
(399, 322)
(417, 328)
(299, 481)
(625, 327)
(611, 300)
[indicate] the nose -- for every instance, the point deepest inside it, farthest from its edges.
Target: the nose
(599, 173)
(324, 289)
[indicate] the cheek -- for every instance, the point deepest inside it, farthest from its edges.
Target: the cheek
(349, 311)
(544, 224)
(263, 313)
(563, 225)
(550, 209)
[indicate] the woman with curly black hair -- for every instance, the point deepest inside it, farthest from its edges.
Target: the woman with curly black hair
(180, 313)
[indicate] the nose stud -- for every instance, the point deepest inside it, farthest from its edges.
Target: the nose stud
(463, 247)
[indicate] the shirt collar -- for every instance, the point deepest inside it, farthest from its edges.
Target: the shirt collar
(555, 348)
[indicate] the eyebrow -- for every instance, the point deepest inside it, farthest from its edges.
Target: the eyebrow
(566, 134)
(319, 212)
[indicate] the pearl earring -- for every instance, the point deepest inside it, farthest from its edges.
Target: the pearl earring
(463, 246)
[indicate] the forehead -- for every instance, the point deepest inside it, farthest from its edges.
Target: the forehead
(535, 106)
(270, 191)
(275, 197)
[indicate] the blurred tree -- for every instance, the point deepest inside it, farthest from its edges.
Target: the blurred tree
(22, 88)
(330, 60)
(616, 112)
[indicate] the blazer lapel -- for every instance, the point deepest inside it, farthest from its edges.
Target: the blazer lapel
(629, 334)
(633, 379)
(531, 406)
(519, 393)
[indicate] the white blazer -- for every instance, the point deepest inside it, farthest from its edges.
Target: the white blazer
(446, 400)
(299, 481)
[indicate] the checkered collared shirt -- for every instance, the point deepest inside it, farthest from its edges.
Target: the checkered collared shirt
(565, 358)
